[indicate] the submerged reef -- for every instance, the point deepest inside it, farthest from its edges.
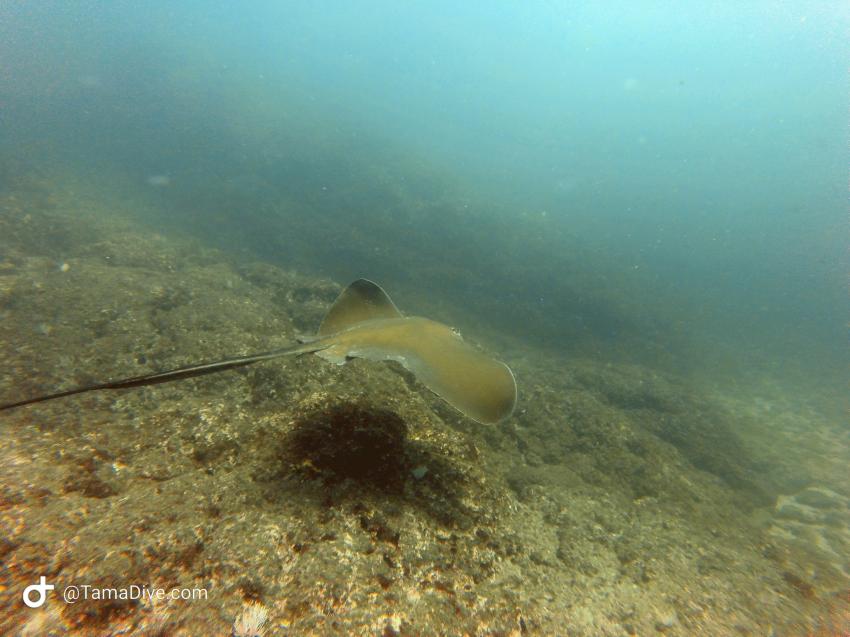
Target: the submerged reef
(308, 498)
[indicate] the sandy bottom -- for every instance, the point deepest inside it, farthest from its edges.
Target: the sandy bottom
(303, 498)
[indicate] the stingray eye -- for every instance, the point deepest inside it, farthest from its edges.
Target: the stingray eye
(456, 332)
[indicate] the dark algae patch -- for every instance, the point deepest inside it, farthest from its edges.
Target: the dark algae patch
(366, 445)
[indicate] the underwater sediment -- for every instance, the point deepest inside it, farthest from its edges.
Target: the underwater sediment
(312, 498)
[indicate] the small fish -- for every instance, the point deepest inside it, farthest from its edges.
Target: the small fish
(364, 323)
(159, 181)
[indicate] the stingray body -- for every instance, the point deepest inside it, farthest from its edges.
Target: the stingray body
(364, 323)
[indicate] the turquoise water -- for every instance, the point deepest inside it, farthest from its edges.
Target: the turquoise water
(673, 171)
(655, 186)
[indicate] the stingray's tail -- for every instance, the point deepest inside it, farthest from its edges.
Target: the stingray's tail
(176, 374)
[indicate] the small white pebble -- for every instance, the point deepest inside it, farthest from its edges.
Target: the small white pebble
(64, 267)
(252, 621)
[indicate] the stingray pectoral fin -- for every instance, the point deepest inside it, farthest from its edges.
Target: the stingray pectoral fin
(361, 301)
(479, 386)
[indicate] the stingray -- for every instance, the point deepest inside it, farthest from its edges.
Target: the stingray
(364, 323)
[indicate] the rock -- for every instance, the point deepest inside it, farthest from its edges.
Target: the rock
(787, 507)
(821, 498)
(665, 621)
